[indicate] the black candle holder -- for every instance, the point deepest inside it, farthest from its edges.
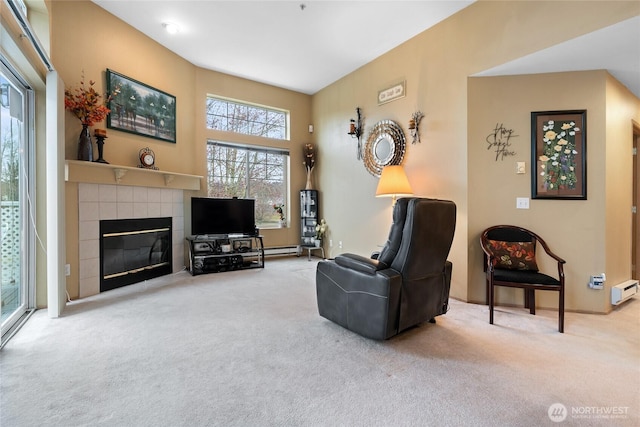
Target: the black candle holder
(100, 142)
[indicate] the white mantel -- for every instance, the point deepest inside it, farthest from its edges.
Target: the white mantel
(104, 173)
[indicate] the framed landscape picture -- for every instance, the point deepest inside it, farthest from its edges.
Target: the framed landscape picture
(140, 109)
(559, 155)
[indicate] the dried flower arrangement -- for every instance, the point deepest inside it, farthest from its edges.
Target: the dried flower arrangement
(309, 157)
(85, 103)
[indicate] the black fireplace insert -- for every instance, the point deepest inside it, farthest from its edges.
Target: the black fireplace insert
(134, 250)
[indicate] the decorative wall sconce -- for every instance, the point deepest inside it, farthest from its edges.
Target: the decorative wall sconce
(414, 126)
(356, 129)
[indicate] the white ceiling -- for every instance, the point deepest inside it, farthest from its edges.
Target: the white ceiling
(615, 48)
(307, 48)
(278, 42)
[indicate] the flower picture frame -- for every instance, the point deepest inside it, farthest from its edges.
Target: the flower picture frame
(559, 155)
(140, 109)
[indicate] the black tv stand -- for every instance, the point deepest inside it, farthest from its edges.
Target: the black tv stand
(224, 252)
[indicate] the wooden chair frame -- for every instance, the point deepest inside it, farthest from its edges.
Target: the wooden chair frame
(529, 288)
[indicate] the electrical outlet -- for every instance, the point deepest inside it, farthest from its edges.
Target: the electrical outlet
(67, 269)
(520, 167)
(340, 244)
(522, 203)
(330, 243)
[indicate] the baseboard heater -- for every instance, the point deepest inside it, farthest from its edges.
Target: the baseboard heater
(281, 251)
(623, 291)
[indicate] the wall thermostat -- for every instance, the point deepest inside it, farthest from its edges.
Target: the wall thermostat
(597, 282)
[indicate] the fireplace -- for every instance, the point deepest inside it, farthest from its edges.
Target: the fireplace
(134, 250)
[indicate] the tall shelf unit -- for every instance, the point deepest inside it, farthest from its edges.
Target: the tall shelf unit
(309, 209)
(309, 214)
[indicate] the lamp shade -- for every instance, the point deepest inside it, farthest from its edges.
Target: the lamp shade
(393, 182)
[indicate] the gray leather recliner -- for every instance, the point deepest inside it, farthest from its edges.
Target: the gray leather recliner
(407, 284)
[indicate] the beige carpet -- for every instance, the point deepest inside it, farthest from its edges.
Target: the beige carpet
(248, 348)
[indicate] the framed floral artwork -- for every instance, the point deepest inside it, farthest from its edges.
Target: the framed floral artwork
(559, 155)
(140, 109)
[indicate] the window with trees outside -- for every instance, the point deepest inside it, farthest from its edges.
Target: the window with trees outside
(247, 119)
(249, 172)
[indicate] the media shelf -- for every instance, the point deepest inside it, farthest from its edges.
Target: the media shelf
(213, 254)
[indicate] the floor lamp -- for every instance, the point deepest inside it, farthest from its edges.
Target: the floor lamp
(393, 183)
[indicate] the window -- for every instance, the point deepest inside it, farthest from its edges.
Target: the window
(249, 172)
(247, 119)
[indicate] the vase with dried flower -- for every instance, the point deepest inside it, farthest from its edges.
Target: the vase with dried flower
(87, 105)
(309, 163)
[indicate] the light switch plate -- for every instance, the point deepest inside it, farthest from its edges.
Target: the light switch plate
(522, 203)
(520, 167)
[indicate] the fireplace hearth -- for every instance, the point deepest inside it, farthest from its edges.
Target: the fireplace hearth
(134, 250)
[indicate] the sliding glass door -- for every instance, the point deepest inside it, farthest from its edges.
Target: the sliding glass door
(16, 261)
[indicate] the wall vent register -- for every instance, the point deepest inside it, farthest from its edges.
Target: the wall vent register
(623, 291)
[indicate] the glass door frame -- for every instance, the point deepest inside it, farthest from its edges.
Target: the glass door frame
(27, 202)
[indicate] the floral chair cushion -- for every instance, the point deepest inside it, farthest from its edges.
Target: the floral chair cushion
(513, 255)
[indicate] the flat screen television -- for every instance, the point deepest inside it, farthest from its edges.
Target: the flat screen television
(211, 216)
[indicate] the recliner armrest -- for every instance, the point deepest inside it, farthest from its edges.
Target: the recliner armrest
(360, 263)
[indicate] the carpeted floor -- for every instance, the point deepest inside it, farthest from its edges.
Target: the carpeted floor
(248, 348)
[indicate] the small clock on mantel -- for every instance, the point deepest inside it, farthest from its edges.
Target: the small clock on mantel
(147, 159)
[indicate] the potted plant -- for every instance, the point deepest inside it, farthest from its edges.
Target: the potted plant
(280, 211)
(321, 229)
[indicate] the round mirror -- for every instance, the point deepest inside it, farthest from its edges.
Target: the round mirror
(385, 146)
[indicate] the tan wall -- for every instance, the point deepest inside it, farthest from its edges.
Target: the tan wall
(622, 110)
(108, 42)
(436, 65)
(86, 38)
(592, 235)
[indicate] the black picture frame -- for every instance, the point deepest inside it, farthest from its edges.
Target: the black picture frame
(559, 155)
(140, 109)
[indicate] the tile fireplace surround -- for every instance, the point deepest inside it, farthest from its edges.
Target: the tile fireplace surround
(104, 201)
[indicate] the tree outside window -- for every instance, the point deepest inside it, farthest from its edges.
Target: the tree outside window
(246, 119)
(249, 172)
